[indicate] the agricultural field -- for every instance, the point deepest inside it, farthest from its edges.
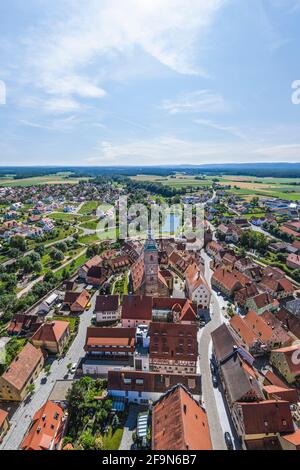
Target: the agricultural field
(59, 178)
(283, 188)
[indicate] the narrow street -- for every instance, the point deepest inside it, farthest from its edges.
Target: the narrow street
(21, 419)
(217, 418)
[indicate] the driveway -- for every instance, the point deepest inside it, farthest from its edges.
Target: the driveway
(23, 416)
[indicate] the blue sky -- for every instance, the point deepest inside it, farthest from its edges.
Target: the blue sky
(109, 82)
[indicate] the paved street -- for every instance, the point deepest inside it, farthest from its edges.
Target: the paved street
(22, 418)
(213, 409)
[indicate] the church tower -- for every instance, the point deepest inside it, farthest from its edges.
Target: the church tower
(151, 267)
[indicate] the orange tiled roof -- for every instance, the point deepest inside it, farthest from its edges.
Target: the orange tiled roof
(51, 332)
(45, 430)
(179, 423)
(23, 366)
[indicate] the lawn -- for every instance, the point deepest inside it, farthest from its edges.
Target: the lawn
(74, 322)
(89, 207)
(90, 225)
(98, 237)
(112, 441)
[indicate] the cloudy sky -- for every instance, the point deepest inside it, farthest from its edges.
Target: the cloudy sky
(108, 82)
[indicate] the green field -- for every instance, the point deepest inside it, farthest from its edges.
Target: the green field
(59, 178)
(89, 207)
(240, 185)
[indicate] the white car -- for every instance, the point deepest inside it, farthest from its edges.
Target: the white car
(73, 368)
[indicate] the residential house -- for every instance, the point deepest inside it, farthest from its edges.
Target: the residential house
(173, 348)
(225, 281)
(216, 250)
(179, 411)
(83, 270)
(107, 308)
(77, 301)
(52, 337)
(96, 276)
(136, 310)
(22, 372)
(46, 431)
(278, 288)
(198, 290)
(22, 324)
(261, 302)
(263, 420)
(289, 320)
(170, 309)
(259, 333)
(242, 295)
(287, 362)
(143, 387)
(108, 343)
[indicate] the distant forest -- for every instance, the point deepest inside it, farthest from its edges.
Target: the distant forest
(282, 170)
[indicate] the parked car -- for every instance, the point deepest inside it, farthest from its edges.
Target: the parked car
(73, 368)
(228, 441)
(215, 381)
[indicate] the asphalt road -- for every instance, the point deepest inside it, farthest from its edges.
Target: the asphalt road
(23, 416)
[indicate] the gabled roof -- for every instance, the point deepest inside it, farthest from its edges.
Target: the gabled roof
(178, 411)
(271, 416)
(194, 278)
(137, 307)
(224, 342)
(23, 366)
(107, 303)
(46, 428)
(51, 332)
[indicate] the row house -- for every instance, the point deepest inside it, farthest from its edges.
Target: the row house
(116, 344)
(178, 410)
(259, 334)
(173, 348)
(261, 303)
(147, 387)
(107, 308)
(197, 288)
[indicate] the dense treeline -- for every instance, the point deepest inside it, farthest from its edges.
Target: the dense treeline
(287, 170)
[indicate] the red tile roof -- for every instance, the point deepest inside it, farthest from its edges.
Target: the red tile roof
(279, 393)
(51, 332)
(137, 307)
(175, 341)
(265, 417)
(45, 432)
(23, 366)
(107, 303)
(179, 423)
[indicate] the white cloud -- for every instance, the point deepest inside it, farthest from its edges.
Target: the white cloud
(166, 150)
(71, 58)
(235, 131)
(201, 101)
